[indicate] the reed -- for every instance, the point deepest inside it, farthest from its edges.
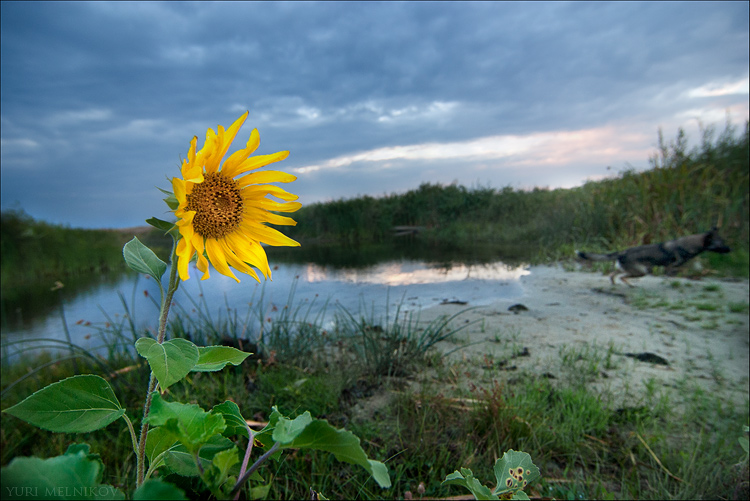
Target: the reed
(683, 192)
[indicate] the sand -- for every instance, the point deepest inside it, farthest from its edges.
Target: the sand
(664, 334)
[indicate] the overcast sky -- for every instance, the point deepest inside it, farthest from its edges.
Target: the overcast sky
(100, 100)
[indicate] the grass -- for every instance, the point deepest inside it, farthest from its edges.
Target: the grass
(427, 415)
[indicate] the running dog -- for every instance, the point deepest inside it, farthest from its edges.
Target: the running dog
(639, 261)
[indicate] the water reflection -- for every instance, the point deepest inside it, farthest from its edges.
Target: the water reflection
(415, 272)
(322, 289)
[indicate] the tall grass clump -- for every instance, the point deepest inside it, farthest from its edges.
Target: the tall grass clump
(393, 346)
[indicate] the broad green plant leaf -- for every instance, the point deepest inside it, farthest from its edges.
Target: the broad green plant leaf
(170, 361)
(143, 260)
(287, 430)
(77, 474)
(465, 478)
(78, 404)
(236, 424)
(158, 440)
(222, 475)
(178, 460)
(303, 432)
(188, 423)
(156, 489)
(164, 226)
(514, 471)
(215, 358)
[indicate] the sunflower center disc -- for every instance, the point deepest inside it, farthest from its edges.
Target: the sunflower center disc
(218, 206)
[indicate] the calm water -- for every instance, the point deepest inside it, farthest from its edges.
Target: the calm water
(318, 290)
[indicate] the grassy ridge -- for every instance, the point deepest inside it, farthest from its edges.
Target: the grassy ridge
(34, 248)
(35, 251)
(683, 192)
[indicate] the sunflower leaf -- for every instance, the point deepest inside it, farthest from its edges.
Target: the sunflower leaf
(215, 358)
(143, 260)
(165, 226)
(156, 488)
(77, 471)
(304, 432)
(188, 423)
(465, 478)
(514, 471)
(170, 361)
(236, 424)
(78, 404)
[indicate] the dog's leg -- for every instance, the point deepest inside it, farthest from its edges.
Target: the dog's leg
(613, 275)
(625, 281)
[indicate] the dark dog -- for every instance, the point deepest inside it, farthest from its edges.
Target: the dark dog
(638, 261)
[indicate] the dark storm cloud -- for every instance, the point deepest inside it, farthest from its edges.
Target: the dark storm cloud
(100, 100)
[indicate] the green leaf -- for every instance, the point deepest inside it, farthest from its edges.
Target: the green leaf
(514, 471)
(171, 200)
(261, 491)
(78, 404)
(465, 478)
(287, 430)
(190, 424)
(158, 440)
(222, 475)
(77, 474)
(236, 424)
(215, 358)
(143, 260)
(155, 488)
(319, 435)
(170, 361)
(180, 461)
(165, 226)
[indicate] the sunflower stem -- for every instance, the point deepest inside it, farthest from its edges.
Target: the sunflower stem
(166, 302)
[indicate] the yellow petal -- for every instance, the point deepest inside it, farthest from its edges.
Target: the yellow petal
(218, 258)
(225, 139)
(231, 164)
(260, 161)
(267, 235)
(202, 262)
(267, 204)
(260, 191)
(184, 253)
(266, 176)
(178, 187)
(191, 170)
(270, 217)
(250, 252)
(253, 142)
(235, 262)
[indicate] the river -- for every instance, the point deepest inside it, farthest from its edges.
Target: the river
(315, 292)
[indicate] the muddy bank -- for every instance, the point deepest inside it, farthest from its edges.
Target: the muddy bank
(666, 333)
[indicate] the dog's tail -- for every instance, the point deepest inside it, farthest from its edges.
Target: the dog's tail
(588, 256)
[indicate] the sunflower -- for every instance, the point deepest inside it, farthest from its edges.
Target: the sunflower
(223, 209)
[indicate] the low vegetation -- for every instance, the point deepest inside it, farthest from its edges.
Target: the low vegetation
(683, 192)
(425, 417)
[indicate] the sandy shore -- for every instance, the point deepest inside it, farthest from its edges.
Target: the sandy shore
(666, 333)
